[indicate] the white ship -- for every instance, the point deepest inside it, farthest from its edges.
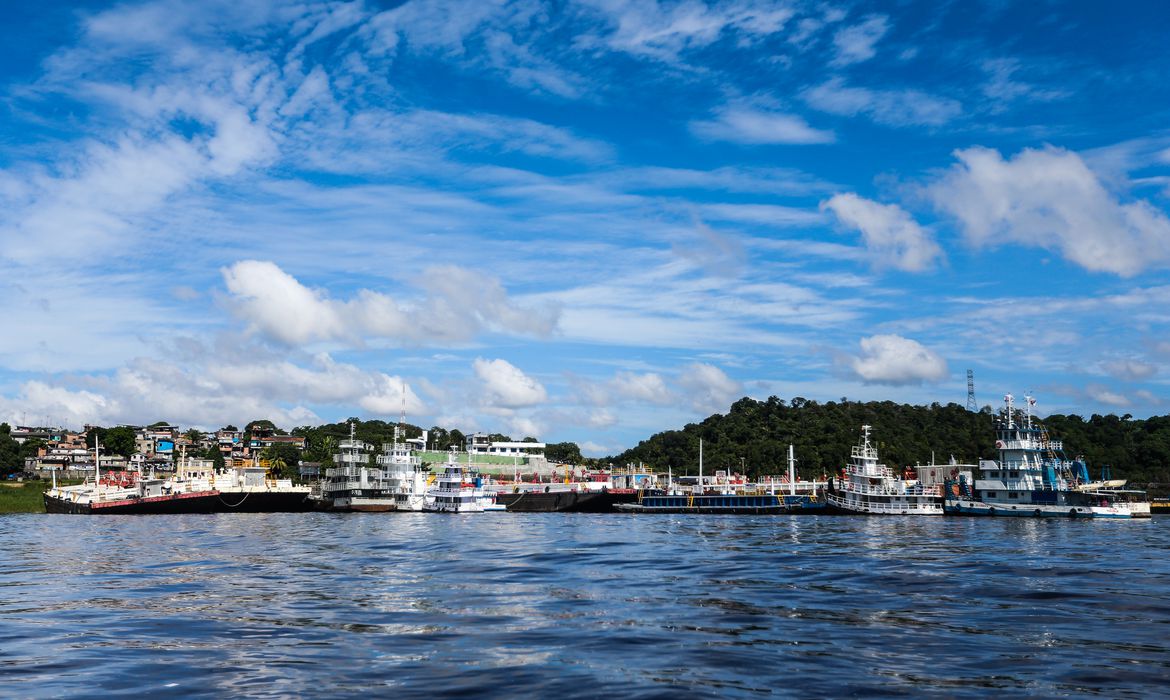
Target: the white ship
(352, 483)
(459, 489)
(404, 470)
(872, 487)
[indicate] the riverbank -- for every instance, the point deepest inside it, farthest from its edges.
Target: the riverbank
(22, 497)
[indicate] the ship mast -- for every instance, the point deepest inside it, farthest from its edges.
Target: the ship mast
(97, 460)
(791, 470)
(700, 466)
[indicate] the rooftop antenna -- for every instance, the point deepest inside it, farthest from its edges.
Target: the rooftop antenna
(971, 405)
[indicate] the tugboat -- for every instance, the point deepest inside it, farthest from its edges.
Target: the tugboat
(871, 487)
(1032, 478)
(353, 485)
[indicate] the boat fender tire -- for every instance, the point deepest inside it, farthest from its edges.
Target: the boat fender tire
(1072, 513)
(991, 512)
(1037, 513)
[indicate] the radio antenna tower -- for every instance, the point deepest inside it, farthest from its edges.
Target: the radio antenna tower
(971, 405)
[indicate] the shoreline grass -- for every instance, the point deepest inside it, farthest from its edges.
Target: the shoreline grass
(23, 497)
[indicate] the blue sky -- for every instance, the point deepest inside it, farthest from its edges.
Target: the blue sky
(583, 221)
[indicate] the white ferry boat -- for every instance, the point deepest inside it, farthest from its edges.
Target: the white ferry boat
(872, 487)
(352, 484)
(459, 489)
(1032, 478)
(404, 471)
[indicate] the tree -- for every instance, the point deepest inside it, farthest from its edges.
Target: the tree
(283, 460)
(11, 458)
(115, 441)
(563, 453)
(261, 425)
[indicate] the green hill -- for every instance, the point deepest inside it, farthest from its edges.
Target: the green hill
(758, 433)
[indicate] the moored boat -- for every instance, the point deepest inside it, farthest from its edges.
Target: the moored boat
(873, 488)
(733, 499)
(458, 489)
(1033, 478)
(189, 490)
(352, 484)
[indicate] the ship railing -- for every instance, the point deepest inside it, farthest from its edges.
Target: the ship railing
(879, 470)
(892, 490)
(864, 452)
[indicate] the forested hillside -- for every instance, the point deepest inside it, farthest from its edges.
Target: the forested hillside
(758, 433)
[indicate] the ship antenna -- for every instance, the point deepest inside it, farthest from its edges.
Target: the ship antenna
(401, 417)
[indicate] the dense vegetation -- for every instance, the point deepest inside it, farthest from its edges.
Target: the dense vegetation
(13, 453)
(756, 434)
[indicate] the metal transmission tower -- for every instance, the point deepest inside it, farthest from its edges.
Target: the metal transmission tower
(971, 405)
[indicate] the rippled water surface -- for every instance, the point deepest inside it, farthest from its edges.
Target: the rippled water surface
(407, 605)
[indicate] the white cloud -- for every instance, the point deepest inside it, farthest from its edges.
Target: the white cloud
(1049, 198)
(890, 234)
(1002, 88)
(594, 449)
(206, 390)
(663, 31)
(707, 387)
(892, 359)
(856, 43)
(1148, 397)
(752, 126)
(889, 107)
(505, 385)
(718, 254)
(1106, 396)
(460, 304)
(601, 419)
(1130, 370)
(521, 427)
(648, 387)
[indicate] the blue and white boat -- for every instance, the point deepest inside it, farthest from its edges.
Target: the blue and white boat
(1033, 478)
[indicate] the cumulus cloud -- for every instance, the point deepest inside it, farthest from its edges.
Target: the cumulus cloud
(1049, 198)
(856, 43)
(889, 107)
(506, 386)
(892, 359)
(707, 387)
(460, 304)
(890, 234)
(208, 391)
(648, 387)
(749, 125)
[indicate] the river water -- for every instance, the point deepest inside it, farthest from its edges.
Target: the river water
(561, 605)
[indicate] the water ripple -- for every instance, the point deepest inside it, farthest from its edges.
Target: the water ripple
(413, 605)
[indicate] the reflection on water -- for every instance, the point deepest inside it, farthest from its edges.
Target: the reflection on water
(581, 605)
